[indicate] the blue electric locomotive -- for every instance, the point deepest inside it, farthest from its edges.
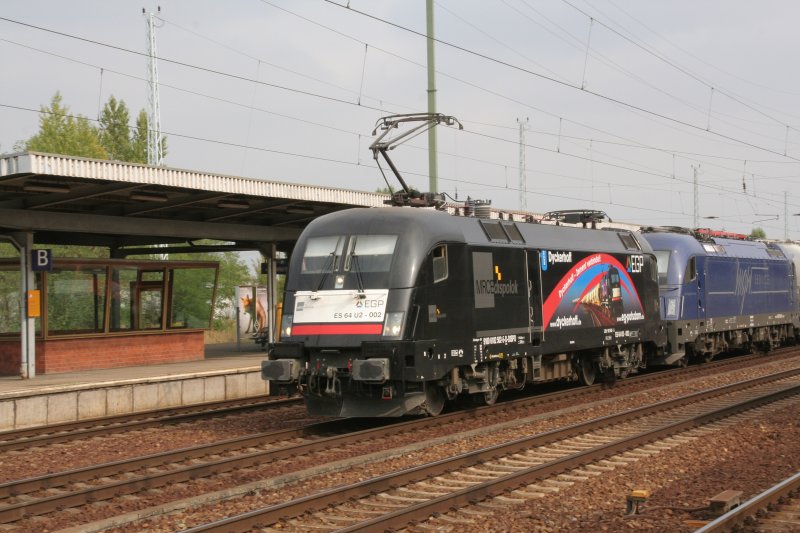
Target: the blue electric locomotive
(719, 294)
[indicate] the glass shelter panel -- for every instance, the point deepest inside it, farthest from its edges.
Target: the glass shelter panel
(92, 297)
(123, 292)
(10, 300)
(192, 291)
(76, 300)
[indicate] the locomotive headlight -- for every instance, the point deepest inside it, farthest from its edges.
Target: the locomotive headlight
(286, 326)
(393, 324)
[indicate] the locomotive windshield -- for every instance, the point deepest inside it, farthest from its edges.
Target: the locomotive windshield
(370, 253)
(322, 254)
(347, 262)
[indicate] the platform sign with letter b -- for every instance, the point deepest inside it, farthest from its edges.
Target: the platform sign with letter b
(42, 260)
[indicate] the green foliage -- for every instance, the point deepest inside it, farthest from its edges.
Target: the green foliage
(758, 233)
(115, 133)
(8, 250)
(62, 133)
(139, 139)
(390, 191)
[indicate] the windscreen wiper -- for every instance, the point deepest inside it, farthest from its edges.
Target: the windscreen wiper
(327, 269)
(359, 279)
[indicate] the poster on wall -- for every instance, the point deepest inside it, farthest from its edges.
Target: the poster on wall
(252, 304)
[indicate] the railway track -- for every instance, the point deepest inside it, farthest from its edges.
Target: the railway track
(68, 431)
(775, 509)
(523, 466)
(44, 494)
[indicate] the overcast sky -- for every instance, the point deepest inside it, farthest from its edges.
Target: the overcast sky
(622, 100)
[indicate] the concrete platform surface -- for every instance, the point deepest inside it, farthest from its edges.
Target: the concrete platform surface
(52, 398)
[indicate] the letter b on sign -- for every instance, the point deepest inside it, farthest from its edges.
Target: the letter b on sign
(41, 260)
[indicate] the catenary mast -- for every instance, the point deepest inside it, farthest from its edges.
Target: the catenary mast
(155, 154)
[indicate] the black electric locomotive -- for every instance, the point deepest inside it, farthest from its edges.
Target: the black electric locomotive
(393, 311)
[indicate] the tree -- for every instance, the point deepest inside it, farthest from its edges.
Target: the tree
(139, 139)
(115, 133)
(758, 233)
(62, 133)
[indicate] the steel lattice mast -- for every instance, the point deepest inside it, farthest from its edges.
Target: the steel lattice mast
(155, 154)
(523, 176)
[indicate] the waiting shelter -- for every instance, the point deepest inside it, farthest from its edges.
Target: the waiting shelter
(106, 313)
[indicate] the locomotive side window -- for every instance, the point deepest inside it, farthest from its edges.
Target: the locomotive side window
(439, 263)
(662, 259)
(691, 270)
(322, 254)
(371, 253)
(652, 266)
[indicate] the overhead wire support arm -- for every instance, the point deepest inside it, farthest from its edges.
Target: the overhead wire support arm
(381, 145)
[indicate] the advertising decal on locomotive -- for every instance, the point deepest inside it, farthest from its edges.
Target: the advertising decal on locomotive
(595, 290)
(489, 280)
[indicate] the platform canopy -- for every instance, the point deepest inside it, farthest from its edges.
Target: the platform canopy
(73, 200)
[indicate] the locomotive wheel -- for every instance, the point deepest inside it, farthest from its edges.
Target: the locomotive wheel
(490, 397)
(586, 371)
(434, 399)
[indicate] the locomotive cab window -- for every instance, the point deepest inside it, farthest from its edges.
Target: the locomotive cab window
(322, 254)
(439, 263)
(662, 260)
(370, 253)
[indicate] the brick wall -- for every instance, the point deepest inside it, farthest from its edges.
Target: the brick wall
(9, 357)
(69, 355)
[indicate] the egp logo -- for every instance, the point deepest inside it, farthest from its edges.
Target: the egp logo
(370, 303)
(635, 263)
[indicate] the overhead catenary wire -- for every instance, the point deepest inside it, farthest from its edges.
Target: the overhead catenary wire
(594, 140)
(621, 167)
(256, 82)
(673, 65)
(562, 83)
(308, 93)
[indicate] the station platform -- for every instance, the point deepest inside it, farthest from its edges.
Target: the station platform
(224, 374)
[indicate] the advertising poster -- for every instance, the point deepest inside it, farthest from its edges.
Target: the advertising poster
(252, 304)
